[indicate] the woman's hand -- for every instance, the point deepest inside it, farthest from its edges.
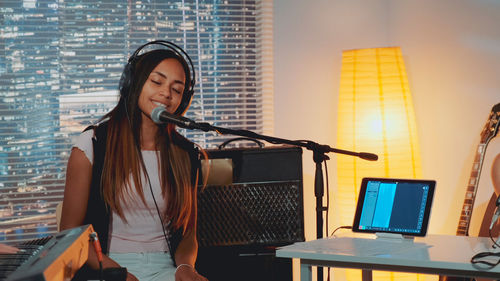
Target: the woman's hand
(6, 249)
(187, 273)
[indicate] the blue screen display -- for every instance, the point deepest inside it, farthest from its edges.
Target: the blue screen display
(394, 206)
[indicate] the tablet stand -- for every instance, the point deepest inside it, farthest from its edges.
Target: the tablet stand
(385, 235)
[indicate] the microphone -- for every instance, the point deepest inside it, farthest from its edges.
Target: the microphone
(497, 213)
(368, 156)
(159, 115)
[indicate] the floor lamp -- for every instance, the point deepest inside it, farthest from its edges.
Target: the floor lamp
(375, 113)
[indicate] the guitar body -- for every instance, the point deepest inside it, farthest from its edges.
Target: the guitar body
(464, 226)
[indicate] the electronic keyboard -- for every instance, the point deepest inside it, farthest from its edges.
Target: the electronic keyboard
(52, 258)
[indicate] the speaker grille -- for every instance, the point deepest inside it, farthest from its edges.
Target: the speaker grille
(268, 213)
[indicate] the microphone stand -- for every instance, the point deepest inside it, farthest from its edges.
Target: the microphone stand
(319, 155)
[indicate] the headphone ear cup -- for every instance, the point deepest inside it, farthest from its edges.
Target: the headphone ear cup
(125, 80)
(185, 102)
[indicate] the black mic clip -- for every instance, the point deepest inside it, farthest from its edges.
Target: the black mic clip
(496, 215)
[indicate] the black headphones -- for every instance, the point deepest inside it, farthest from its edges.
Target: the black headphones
(128, 73)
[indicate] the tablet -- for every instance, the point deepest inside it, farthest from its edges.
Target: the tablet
(388, 205)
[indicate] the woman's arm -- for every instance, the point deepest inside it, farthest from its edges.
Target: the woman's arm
(185, 258)
(76, 190)
(76, 196)
(187, 251)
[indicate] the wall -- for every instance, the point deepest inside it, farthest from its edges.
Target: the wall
(452, 55)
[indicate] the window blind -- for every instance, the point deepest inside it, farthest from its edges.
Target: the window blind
(60, 63)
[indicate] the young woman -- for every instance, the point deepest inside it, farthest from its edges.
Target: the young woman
(135, 181)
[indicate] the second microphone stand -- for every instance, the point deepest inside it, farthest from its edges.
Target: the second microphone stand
(319, 156)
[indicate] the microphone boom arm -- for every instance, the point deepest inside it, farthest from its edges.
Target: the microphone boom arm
(310, 145)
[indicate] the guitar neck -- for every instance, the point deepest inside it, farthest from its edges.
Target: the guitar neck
(470, 194)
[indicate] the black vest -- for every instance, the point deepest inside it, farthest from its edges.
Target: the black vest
(98, 212)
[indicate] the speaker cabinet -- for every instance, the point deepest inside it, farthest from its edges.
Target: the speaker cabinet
(240, 223)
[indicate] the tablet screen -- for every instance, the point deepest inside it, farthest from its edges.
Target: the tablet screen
(400, 206)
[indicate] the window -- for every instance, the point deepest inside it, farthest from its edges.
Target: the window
(60, 63)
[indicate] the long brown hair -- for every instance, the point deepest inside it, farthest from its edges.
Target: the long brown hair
(123, 161)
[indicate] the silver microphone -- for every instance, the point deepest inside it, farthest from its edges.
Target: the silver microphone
(159, 115)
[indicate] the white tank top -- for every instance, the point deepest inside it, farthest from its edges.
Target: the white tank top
(143, 230)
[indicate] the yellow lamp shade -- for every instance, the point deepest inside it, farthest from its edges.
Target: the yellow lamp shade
(375, 114)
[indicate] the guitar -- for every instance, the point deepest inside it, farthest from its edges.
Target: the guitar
(489, 131)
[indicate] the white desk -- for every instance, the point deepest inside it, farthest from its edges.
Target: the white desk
(434, 254)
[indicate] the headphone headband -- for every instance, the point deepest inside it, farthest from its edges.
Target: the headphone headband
(128, 72)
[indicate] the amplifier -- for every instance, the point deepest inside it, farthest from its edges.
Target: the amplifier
(253, 203)
(263, 205)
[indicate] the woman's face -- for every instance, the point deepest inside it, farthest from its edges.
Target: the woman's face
(164, 87)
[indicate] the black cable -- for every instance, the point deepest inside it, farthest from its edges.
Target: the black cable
(98, 251)
(158, 211)
(100, 271)
(344, 227)
(495, 244)
(476, 258)
(138, 151)
(341, 227)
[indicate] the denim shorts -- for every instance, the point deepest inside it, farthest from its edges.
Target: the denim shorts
(153, 266)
